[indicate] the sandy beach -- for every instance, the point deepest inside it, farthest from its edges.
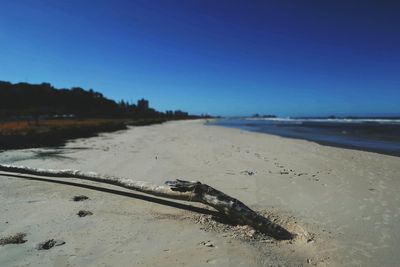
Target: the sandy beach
(343, 204)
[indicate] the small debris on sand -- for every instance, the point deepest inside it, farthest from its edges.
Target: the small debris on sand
(83, 213)
(49, 244)
(80, 198)
(208, 244)
(13, 239)
(249, 173)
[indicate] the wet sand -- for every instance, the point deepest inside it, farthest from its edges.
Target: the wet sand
(343, 204)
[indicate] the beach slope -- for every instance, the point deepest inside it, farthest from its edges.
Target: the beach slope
(343, 204)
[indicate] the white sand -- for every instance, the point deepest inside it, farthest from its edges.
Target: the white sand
(348, 199)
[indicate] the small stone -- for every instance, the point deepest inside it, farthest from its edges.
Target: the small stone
(83, 213)
(309, 261)
(80, 198)
(49, 244)
(209, 244)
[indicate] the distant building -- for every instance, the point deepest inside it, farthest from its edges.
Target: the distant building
(143, 104)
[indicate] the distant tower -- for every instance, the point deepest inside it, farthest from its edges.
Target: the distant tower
(143, 104)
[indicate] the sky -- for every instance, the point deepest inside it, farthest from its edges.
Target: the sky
(229, 58)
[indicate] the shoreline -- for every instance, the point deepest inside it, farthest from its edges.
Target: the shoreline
(329, 144)
(353, 146)
(344, 201)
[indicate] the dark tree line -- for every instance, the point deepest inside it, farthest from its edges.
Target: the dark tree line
(43, 100)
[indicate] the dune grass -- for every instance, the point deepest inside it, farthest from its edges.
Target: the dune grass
(29, 127)
(54, 132)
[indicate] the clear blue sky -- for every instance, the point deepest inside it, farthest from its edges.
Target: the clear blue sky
(222, 57)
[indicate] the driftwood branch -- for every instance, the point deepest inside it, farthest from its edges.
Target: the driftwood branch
(232, 208)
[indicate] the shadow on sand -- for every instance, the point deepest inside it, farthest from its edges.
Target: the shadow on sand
(173, 204)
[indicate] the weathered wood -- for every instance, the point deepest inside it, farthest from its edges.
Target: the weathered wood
(194, 191)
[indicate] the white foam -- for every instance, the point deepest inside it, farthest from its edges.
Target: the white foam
(328, 120)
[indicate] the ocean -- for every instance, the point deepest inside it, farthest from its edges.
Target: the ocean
(381, 135)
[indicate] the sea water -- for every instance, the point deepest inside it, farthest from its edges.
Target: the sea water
(380, 135)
